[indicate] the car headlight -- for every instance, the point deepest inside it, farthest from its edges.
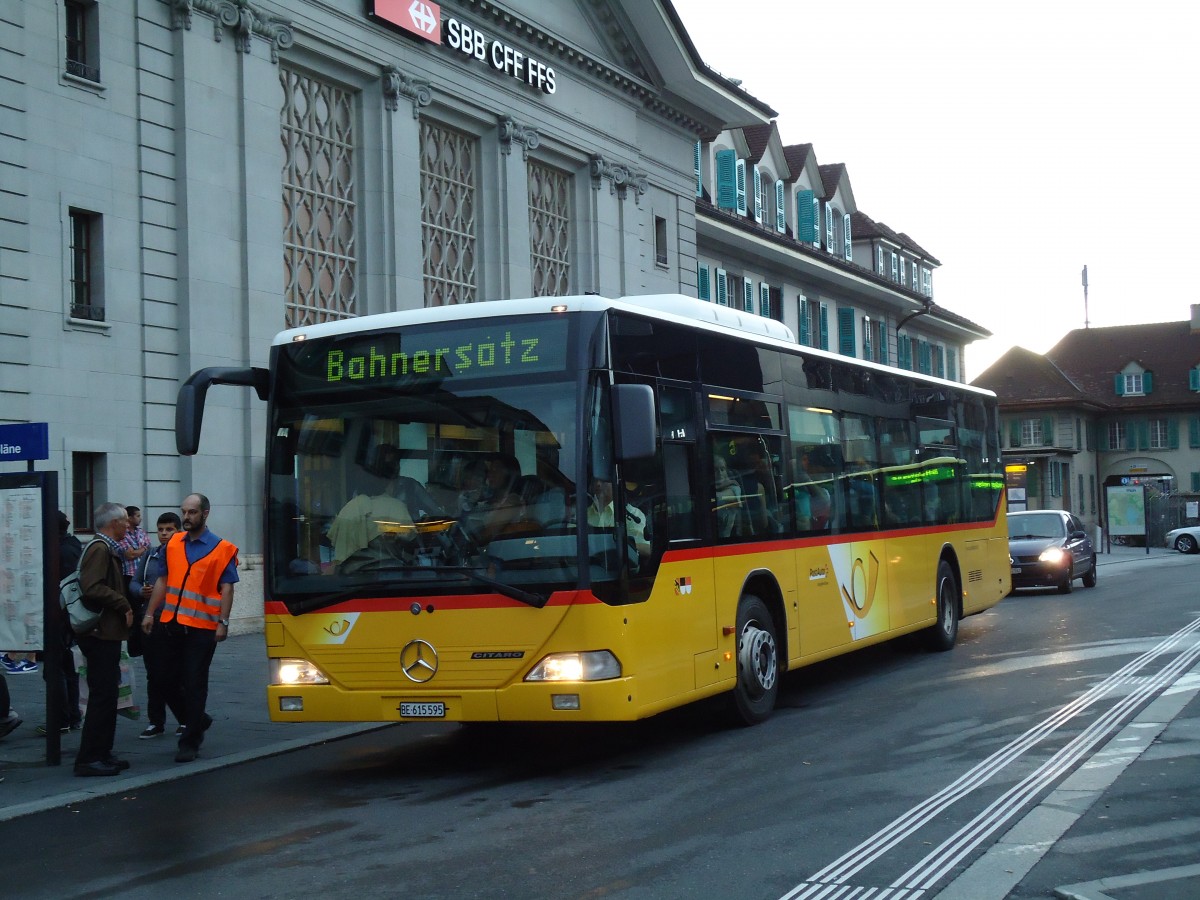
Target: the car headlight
(1053, 555)
(296, 671)
(590, 665)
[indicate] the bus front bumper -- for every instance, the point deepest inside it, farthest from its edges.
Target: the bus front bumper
(597, 701)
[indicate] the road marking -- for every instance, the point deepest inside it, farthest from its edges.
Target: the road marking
(831, 882)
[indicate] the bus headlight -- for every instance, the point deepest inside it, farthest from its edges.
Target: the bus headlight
(1053, 555)
(296, 671)
(590, 665)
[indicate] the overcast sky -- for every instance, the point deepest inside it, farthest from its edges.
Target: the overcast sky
(1015, 141)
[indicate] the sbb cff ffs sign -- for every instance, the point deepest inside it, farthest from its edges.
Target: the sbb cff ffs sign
(424, 19)
(419, 17)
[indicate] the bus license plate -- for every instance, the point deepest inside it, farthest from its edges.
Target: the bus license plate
(1016, 570)
(423, 710)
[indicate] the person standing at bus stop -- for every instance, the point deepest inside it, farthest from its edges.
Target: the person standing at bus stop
(196, 596)
(103, 585)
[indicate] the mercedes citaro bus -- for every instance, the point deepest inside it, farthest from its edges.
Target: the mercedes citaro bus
(584, 509)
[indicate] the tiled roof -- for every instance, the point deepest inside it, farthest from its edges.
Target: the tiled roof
(1088, 360)
(925, 254)
(757, 137)
(863, 225)
(1094, 356)
(1021, 375)
(797, 156)
(831, 177)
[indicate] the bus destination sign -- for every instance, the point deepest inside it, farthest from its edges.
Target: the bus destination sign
(487, 351)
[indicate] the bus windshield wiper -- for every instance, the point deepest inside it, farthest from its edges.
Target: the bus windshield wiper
(537, 601)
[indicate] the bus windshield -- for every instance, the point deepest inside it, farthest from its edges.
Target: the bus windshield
(422, 482)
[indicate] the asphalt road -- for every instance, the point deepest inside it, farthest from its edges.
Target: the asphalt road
(889, 768)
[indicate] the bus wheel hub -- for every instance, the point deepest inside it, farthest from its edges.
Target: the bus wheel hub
(756, 658)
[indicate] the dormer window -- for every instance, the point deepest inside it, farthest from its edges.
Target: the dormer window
(1134, 382)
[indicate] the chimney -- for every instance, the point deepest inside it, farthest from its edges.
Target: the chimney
(1196, 318)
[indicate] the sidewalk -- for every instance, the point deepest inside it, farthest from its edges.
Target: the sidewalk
(241, 731)
(1119, 554)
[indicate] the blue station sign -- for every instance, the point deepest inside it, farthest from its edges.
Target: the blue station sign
(30, 440)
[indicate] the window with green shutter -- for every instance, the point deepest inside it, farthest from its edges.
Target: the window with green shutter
(846, 342)
(758, 193)
(1194, 378)
(883, 342)
(1196, 482)
(780, 209)
(824, 329)
(806, 223)
(703, 290)
(1194, 432)
(740, 174)
(727, 189)
(805, 331)
(1147, 382)
(722, 288)
(697, 169)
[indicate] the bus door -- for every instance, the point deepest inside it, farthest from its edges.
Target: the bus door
(671, 613)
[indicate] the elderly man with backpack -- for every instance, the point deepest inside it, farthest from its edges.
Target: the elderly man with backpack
(102, 583)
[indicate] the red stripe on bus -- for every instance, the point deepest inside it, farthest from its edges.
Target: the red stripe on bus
(454, 601)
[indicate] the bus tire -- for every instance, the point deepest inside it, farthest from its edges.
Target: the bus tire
(944, 632)
(757, 685)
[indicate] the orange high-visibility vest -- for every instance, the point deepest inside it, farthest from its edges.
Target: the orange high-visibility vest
(193, 591)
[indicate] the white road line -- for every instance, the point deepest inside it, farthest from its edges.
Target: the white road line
(855, 860)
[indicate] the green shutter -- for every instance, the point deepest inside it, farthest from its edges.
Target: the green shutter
(739, 169)
(1194, 378)
(1048, 432)
(1172, 434)
(1143, 434)
(748, 296)
(846, 342)
(1194, 432)
(1119, 385)
(1014, 433)
(703, 290)
(727, 179)
(805, 336)
(883, 343)
(1147, 382)
(806, 224)
(824, 327)
(1196, 482)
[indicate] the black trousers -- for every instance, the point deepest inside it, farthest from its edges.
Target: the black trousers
(163, 687)
(189, 652)
(103, 679)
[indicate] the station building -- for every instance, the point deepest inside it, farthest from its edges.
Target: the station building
(182, 179)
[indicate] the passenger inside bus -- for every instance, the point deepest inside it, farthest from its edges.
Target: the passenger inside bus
(810, 500)
(498, 509)
(760, 486)
(729, 506)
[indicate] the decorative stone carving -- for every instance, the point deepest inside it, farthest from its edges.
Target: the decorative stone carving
(396, 85)
(512, 132)
(620, 178)
(241, 17)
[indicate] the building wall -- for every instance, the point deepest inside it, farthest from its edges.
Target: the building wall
(178, 149)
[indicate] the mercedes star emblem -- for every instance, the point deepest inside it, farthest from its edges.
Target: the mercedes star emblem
(418, 661)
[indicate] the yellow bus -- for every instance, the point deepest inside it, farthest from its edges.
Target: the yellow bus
(584, 509)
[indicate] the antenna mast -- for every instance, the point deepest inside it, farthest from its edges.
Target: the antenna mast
(1086, 323)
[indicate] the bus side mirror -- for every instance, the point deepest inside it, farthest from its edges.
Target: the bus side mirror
(634, 422)
(189, 405)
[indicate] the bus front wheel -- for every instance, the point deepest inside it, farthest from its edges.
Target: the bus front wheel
(757, 662)
(944, 632)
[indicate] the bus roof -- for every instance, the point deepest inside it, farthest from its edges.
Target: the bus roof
(675, 308)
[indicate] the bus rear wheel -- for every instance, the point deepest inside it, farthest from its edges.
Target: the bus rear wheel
(757, 662)
(944, 632)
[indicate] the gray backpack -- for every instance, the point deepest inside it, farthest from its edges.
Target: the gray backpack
(70, 597)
